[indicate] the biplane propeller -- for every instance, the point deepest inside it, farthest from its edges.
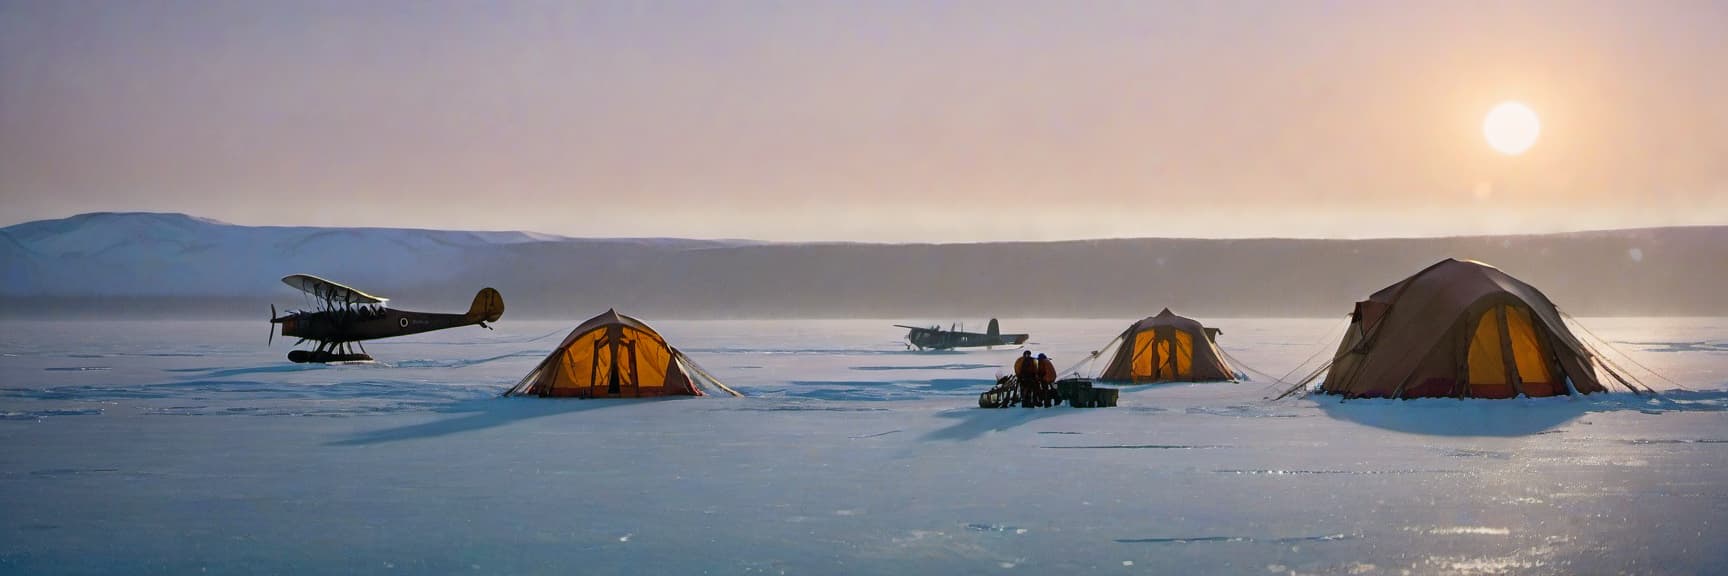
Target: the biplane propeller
(346, 316)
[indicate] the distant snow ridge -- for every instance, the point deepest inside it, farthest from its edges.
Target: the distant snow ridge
(107, 259)
(149, 254)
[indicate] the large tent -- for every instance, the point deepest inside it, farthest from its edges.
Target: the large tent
(1167, 348)
(1459, 328)
(615, 356)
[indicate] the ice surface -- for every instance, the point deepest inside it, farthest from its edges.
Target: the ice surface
(161, 447)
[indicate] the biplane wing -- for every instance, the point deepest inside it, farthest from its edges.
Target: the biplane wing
(330, 291)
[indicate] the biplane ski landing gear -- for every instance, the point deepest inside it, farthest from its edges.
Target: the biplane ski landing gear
(330, 352)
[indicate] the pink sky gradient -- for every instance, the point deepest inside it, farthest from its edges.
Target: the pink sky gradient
(874, 121)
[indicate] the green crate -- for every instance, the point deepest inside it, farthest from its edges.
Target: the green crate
(1106, 397)
(1070, 388)
(1082, 398)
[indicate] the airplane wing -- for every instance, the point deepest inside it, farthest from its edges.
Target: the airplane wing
(327, 290)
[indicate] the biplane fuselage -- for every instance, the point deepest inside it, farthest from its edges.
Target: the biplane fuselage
(358, 324)
(346, 316)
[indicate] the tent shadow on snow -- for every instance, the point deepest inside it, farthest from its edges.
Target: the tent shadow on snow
(481, 414)
(1518, 417)
(975, 422)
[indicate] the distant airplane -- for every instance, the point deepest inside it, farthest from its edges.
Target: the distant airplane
(346, 316)
(935, 338)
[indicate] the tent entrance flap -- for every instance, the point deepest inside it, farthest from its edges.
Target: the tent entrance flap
(1163, 360)
(1507, 356)
(1143, 355)
(1529, 357)
(1487, 360)
(1184, 354)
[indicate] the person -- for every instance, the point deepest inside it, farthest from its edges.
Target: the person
(1020, 363)
(1026, 372)
(1046, 381)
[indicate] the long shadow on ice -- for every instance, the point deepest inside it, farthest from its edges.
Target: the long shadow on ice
(975, 422)
(1515, 417)
(481, 414)
(739, 351)
(228, 372)
(883, 390)
(241, 371)
(1687, 346)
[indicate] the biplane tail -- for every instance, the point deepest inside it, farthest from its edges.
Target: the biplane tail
(488, 306)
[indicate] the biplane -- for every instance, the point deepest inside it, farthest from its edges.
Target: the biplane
(345, 316)
(935, 338)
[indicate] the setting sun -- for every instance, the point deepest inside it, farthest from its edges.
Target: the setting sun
(1511, 128)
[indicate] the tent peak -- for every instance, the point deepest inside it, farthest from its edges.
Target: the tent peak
(1470, 261)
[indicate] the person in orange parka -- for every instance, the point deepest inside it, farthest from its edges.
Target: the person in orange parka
(1026, 372)
(1046, 380)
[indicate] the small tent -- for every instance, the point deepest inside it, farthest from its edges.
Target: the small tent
(1168, 348)
(615, 356)
(1459, 328)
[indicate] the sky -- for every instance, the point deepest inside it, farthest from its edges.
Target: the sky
(868, 121)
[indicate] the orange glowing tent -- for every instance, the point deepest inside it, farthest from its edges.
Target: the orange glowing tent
(1168, 348)
(616, 356)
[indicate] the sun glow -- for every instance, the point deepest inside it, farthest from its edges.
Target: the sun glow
(1511, 128)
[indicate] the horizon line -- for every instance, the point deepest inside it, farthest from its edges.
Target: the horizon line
(556, 237)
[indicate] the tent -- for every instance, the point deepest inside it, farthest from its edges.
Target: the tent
(1459, 328)
(1168, 348)
(615, 356)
